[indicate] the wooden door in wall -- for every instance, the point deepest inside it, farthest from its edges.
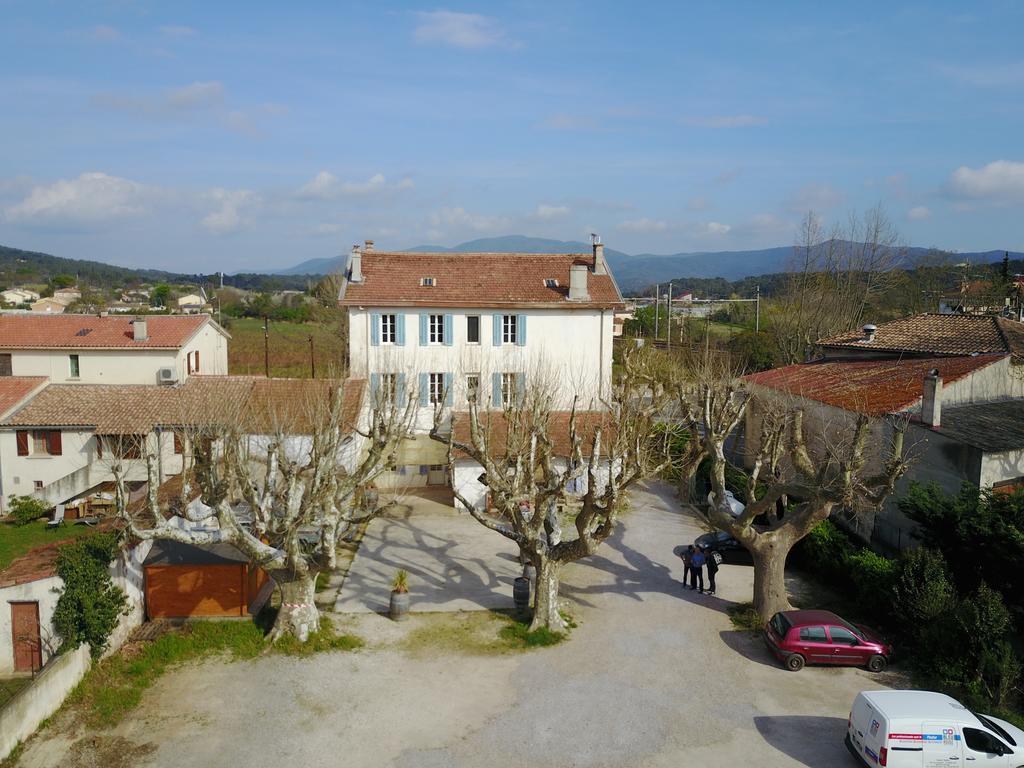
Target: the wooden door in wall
(28, 647)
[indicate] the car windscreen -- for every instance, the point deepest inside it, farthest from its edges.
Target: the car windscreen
(781, 625)
(995, 727)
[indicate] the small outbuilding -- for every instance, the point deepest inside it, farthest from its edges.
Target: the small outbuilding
(183, 581)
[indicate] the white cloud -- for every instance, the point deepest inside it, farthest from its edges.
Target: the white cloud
(1006, 74)
(999, 181)
(194, 97)
(562, 121)
(326, 186)
(229, 215)
(724, 121)
(177, 30)
(716, 228)
(697, 203)
(642, 226)
(460, 30)
(104, 33)
(548, 212)
(919, 213)
(459, 218)
(324, 230)
(91, 198)
(815, 197)
(198, 95)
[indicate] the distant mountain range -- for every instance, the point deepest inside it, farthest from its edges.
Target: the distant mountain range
(638, 272)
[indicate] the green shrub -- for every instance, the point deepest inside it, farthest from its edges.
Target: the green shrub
(872, 577)
(825, 551)
(89, 605)
(26, 509)
(922, 589)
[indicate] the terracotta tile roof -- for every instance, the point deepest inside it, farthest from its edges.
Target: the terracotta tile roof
(874, 387)
(24, 331)
(558, 429)
(41, 562)
(255, 402)
(938, 335)
(14, 389)
(475, 280)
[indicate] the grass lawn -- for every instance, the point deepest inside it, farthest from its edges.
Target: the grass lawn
(11, 686)
(289, 348)
(16, 540)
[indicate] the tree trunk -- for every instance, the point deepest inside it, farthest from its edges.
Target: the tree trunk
(545, 601)
(298, 615)
(770, 594)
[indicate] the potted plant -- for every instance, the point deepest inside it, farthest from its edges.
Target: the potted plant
(399, 609)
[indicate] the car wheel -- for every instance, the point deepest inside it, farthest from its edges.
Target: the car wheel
(794, 662)
(876, 663)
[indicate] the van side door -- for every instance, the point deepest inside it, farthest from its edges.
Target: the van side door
(984, 748)
(941, 742)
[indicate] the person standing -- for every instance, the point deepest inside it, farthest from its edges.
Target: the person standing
(697, 570)
(687, 557)
(712, 563)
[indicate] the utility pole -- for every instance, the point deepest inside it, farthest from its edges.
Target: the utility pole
(266, 346)
(657, 304)
(757, 310)
(312, 359)
(668, 333)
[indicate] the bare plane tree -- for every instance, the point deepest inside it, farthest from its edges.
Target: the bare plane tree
(280, 494)
(530, 453)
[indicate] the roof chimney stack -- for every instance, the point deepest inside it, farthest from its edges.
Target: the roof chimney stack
(368, 245)
(869, 332)
(600, 267)
(355, 265)
(140, 331)
(578, 283)
(931, 401)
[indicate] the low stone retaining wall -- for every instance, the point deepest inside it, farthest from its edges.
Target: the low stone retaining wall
(37, 701)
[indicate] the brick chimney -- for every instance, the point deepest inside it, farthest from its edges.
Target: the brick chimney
(600, 266)
(368, 245)
(578, 282)
(140, 329)
(931, 401)
(355, 265)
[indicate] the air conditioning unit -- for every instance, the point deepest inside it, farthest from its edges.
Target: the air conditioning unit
(167, 376)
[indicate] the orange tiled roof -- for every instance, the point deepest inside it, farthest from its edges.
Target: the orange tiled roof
(475, 280)
(938, 335)
(257, 403)
(14, 389)
(26, 331)
(874, 387)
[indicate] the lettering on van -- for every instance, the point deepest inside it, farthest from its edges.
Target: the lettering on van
(948, 736)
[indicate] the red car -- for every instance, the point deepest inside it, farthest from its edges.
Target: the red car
(820, 637)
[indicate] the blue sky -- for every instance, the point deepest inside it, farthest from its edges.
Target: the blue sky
(251, 136)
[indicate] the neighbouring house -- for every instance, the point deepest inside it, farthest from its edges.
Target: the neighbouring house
(452, 327)
(18, 296)
(49, 305)
(101, 349)
(192, 302)
(67, 295)
(953, 376)
(184, 581)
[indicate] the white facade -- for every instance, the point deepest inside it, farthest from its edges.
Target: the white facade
(124, 365)
(570, 350)
(466, 481)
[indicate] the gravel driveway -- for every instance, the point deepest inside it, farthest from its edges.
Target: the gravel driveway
(653, 676)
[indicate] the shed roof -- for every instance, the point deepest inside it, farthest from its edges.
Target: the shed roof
(476, 280)
(874, 387)
(68, 331)
(937, 335)
(178, 553)
(991, 427)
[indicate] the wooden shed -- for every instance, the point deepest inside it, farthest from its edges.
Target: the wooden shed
(183, 580)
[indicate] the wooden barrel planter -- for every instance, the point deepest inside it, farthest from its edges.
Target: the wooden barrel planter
(521, 594)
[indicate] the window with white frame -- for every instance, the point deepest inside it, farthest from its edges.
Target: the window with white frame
(435, 330)
(388, 329)
(436, 383)
(73, 367)
(508, 388)
(388, 387)
(472, 387)
(509, 329)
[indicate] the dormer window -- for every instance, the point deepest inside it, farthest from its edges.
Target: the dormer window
(550, 282)
(427, 282)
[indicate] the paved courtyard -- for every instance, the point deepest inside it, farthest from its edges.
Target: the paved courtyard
(653, 676)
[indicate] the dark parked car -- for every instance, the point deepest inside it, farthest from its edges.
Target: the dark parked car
(723, 547)
(820, 637)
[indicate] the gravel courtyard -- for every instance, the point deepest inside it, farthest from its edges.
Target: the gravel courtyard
(653, 676)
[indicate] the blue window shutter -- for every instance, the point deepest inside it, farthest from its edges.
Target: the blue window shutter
(374, 387)
(496, 390)
(521, 330)
(496, 327)
(448, 331)
(424, 468)
(520, 387)
(448, 397)
(423, 329)
(400, 329)
(400, 386)
(374, 329)
(424, 389)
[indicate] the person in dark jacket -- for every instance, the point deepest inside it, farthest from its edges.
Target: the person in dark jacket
(687, 557)
(712, 563)
(697, 570)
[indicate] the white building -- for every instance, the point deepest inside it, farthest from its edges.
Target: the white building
(18, 296)
(100, 349)
(449, 327)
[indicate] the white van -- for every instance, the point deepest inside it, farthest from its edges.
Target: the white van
(923, 729)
